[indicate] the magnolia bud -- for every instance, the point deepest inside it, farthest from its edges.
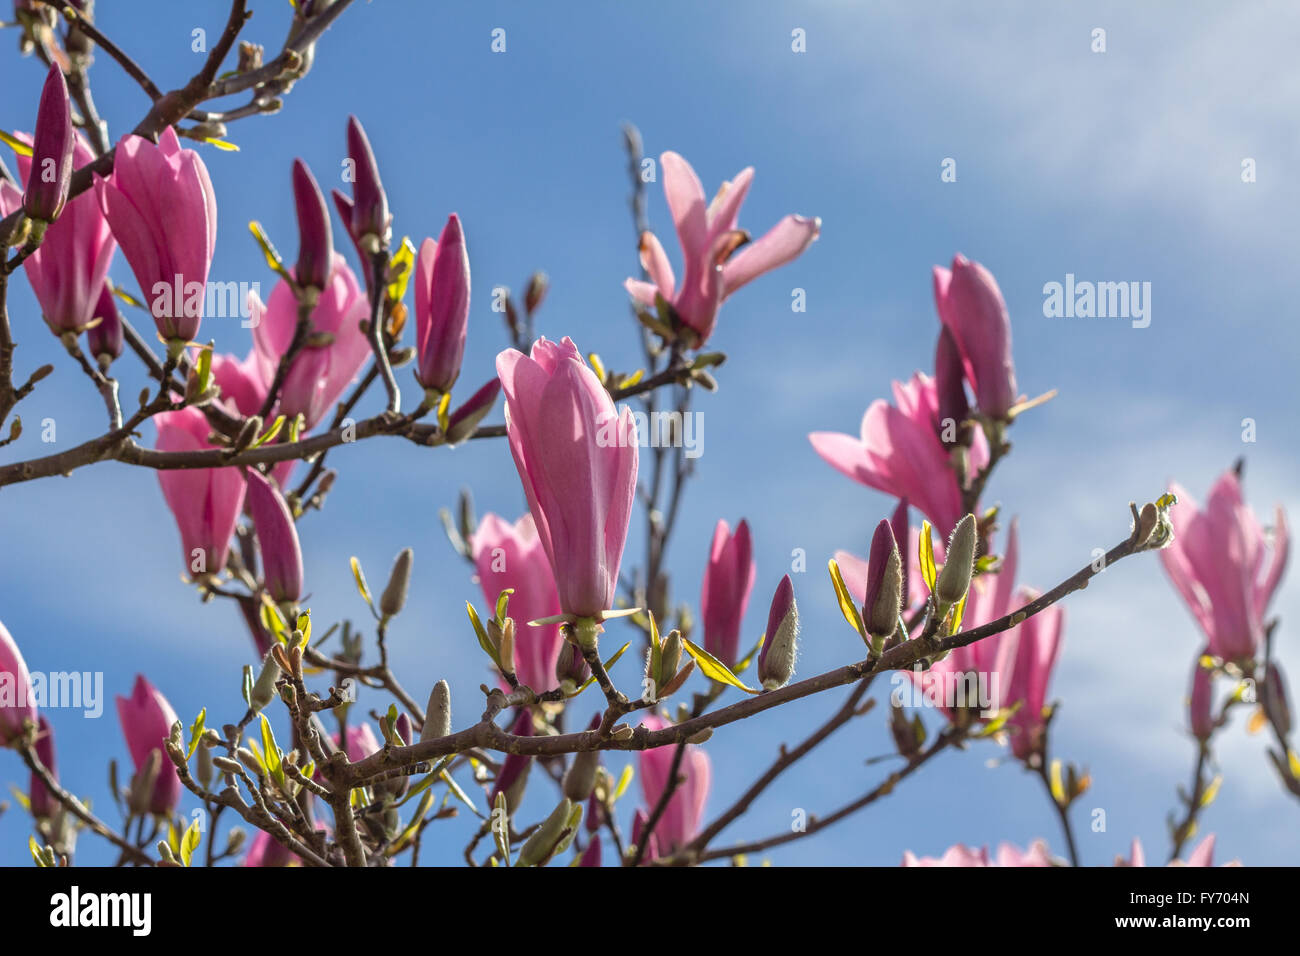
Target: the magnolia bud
(954, 579)
(884, 583)
(670, 655)
(393, 599)
(52, 142)
(542, 844)
(1276, 706)
(315, 240)
(1202, 702)
(776, 660)
(580, 778)
(264, 687)
(570, 666)
(437, 719)
(464, 420)
(535, 292)
(203, 765)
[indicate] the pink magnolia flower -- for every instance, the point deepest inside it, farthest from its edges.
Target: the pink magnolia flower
(242, 388)
(362, 742)
(899, 452)
(713, 268)
(267, 851)
(147, 720)
(17, 701)
(1008, 855)
(724, 594)
(1037, 646)
(577, 459)
(331, 358)
(1217, 562)
(681, 817)
(277, 539)
(160, 205)
(205, 501)
(640, 820)
(971, 307)
(512, 556)
(442, 307)
(67, 271)
(1202, 855)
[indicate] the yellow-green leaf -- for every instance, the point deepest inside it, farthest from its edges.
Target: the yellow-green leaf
(847, 606)
(624, 779)
(925, 548)
(190, 842)
(270, 433)
(1058, 786)
(362, 588)
(224, 145)
(608, 664)
(958, 612)
(196, 732)
(14, 143)
(1211, 791)
(714, 669)
(268, 250)
(481, 633)
(400, 268)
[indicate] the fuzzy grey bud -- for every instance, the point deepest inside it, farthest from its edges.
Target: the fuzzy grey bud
(437, 720)
(954, 579)
(393, 599)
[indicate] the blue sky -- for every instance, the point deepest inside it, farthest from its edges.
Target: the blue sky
(1115, 166)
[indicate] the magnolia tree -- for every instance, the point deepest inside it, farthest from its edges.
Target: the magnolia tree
(329, 759)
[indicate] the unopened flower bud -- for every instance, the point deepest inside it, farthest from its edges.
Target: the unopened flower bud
(1276, 705)
(1202, 702)
(959, 563)
(315, 240)
(104, 339)
(437, 719)
(203, 765)
(52, 144)
(393, 599)
(535, 292)
(264, 686)
(570, 666)
(366, 213)
(884, 583)
(580, 778)
(542, 844)
(670, 656)
(776, 660)
(464, 420)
